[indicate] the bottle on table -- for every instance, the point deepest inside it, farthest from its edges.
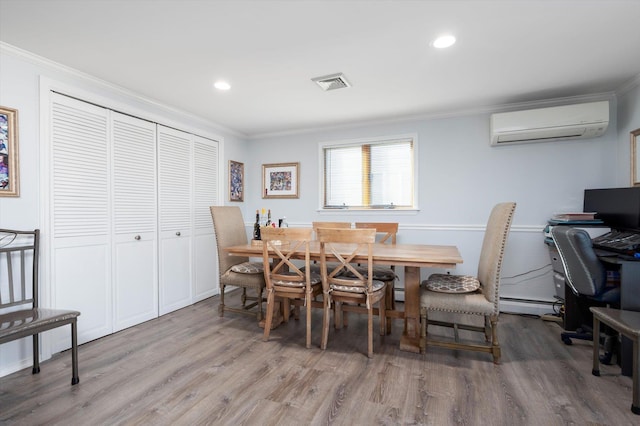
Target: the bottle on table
(256, 226)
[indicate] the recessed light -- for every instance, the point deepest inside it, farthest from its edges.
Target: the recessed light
(222, 85)
(444, 41)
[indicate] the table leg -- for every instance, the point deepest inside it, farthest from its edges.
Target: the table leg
(410, 340)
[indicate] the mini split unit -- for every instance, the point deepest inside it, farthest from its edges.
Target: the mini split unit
(579, 121)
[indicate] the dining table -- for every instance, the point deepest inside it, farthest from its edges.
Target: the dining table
(410, 256)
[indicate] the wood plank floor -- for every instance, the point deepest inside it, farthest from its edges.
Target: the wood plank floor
(192, 367)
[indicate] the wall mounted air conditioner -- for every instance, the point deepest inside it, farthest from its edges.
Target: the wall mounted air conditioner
(578, 121)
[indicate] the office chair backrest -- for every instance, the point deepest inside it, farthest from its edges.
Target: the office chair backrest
(584, 272)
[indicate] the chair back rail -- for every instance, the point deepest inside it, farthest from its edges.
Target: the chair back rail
(388, 230)
(19, 252)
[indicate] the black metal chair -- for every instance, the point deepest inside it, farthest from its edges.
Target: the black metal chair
(586, 276)
(20, 314)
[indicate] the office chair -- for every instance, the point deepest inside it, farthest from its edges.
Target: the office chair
(586, 276)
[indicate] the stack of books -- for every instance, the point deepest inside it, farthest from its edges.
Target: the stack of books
(571, 217)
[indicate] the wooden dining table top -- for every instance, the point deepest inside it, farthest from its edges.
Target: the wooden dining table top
(418, 255)
(411, 256)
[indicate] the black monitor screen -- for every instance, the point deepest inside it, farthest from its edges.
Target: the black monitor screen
(619, 208)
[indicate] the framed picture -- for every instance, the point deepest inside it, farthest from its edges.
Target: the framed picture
(635, 158)
(236, 181)
(280, 180)
(9, 176)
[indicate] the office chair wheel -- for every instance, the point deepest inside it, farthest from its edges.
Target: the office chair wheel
(606, 358)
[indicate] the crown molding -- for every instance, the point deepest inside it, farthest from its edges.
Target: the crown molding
(40, 61)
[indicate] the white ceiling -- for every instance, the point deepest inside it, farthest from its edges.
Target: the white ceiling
(172, 51)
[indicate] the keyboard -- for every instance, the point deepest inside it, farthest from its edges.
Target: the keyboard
(624, 242)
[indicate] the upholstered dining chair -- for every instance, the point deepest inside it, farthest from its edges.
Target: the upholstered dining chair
(236, 271)
(386, 233)
(285, 279)
(361, 292)
(465, 294)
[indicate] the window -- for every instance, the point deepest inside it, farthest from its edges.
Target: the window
(373, 174)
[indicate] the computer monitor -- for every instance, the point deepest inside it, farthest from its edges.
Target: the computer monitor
(618, 208)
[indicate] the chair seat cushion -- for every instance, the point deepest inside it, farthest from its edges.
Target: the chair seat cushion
(315, 279)
(376, 286)
(248, 268)
(380, 273)
(445, 283)
(464, 303)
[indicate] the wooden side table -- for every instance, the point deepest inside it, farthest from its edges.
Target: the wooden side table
(626, 323)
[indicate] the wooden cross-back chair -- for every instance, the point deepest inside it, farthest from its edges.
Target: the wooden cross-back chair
(285, 279)
(386, 234)
(357, 290)
(20, 312)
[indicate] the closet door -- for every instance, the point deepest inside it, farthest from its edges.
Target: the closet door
(175, 212)
(80, 222)
(135, 241)
(205, 194)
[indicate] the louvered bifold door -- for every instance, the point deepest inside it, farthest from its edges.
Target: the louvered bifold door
(175, 212)
(79, 188)
(135, 248)
(205, 194)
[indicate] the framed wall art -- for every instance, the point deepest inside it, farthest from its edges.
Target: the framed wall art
(635, 158)
(236, 181)
(9, 171)
(280, 180)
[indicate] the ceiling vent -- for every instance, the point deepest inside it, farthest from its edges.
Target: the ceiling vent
(332, 82)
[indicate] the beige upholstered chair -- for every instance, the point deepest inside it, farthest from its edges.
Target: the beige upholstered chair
(285, 279)
(236, 271)
(358, 291)
(460, 294)
(386, 234)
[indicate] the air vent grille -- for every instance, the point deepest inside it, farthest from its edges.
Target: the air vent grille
(332, 82)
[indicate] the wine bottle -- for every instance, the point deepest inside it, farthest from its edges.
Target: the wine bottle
(256, 226)
(268, 218)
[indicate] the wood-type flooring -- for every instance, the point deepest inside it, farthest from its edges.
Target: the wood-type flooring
(192, 367)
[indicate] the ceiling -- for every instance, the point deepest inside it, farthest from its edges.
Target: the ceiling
(173, 51)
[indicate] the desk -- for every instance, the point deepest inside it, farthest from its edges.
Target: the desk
(629, 301)
(411, 256)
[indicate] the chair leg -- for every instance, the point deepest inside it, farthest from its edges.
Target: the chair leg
(487, 329)
(259, 304)
(269, 320)
(390, 303)
(370, 332)
(75, 378)
(325, 321)
(423, 330)
(495, 346)
(337, 314)
(243, 298)
(221, 305)
(307, 301)
(36, 355)
(383, 316)
(286, 309)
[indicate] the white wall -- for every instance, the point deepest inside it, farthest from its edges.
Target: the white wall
(21, 76)
(460, 178)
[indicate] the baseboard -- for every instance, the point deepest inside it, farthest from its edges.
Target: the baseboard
(530, 307)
